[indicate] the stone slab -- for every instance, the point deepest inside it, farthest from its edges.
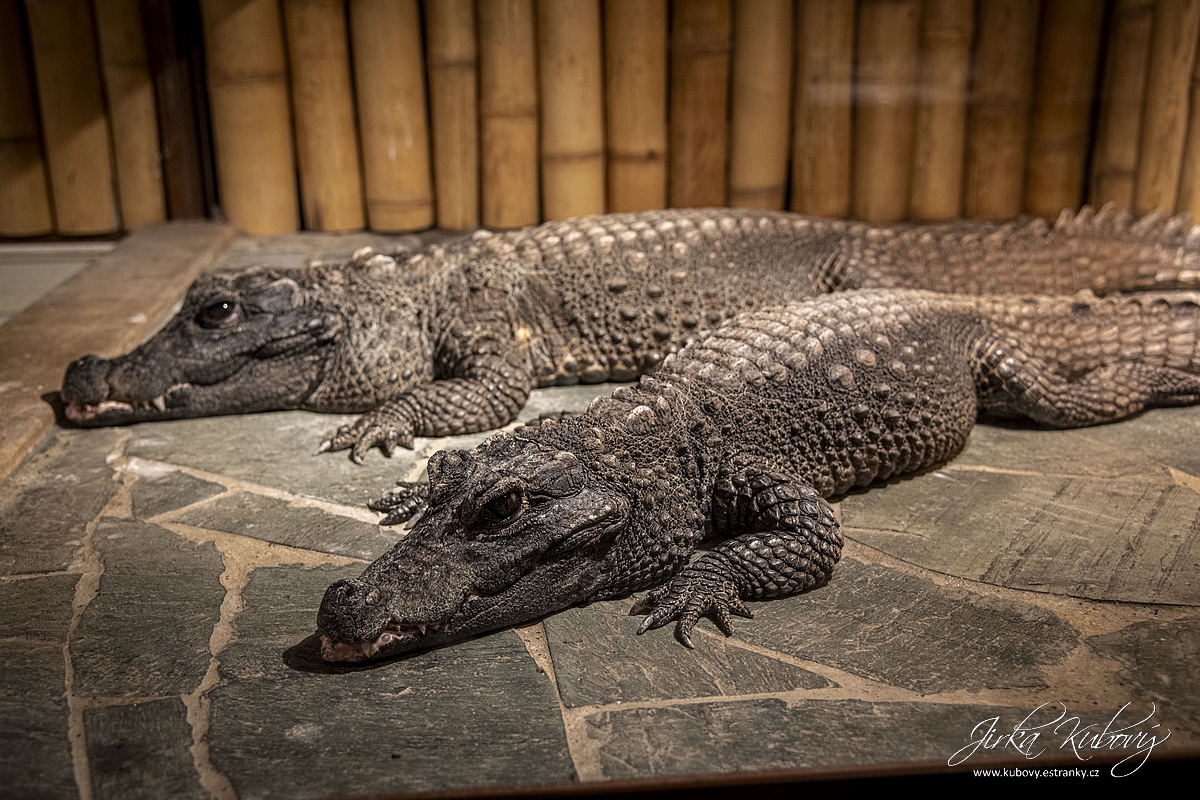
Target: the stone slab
(107, 308)
(1133, 539)
(281, 522)
(123, 741)
(46, 507)
(1026, 448)
(1168, 435)
(147, 631)
(157, 492)
(277, 449)
(600, 659)
(284, 724)
(274, 450)
(35, 752)
(1161, 659)
(907, 631)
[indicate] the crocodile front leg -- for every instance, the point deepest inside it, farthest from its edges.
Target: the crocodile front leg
(488, 392)
(791, 545)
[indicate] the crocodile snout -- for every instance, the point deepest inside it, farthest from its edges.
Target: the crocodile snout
(86, 381)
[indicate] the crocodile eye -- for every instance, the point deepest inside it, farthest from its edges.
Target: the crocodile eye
(502, 508)
(214, 315)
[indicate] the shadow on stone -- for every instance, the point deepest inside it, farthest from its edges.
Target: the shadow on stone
(306, 656)
(54, 400)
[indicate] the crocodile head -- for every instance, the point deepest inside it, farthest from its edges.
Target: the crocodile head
(261, 340)
(514, 531)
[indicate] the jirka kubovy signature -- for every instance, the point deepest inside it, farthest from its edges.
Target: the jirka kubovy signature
(1031, 738)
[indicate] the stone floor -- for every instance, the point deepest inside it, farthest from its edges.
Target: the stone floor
(160, 586)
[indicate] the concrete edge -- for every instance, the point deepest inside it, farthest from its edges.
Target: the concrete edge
(107, 308)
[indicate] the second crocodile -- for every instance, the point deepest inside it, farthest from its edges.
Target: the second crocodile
(739, 438)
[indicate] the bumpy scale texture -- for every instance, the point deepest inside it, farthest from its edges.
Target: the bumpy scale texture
(452, 340)
(739, 437)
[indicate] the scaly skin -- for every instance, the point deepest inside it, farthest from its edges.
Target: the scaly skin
(453, 339)
(740, 437)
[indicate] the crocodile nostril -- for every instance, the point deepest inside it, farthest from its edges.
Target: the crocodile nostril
(345, 587)
(358, 592)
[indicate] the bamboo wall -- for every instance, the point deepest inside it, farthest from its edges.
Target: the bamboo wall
(395, 115)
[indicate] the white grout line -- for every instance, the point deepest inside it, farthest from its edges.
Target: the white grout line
(584, 756)
(138, 465)
(89, 565)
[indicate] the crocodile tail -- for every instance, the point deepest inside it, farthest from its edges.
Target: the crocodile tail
(1084, 360)
(1080, 333)
(1104, 251)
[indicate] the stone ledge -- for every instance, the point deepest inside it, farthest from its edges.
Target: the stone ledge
(109, 307)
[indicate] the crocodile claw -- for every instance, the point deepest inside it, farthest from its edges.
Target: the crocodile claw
(402, 503)
(687, 598)
(383, 428)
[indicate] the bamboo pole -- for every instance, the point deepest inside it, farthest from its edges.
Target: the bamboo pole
(1002, 97)
(1122, 103)
(1069, 58)
(1164, 124)
(635, 47)
(389, 76)
(821, 138)
(132, 111)
(570, 83)
(941, 126)
(889, 35)
(508, 113)
(189, 182)
(1189, 179)
(24, 201)
(760, 129)
(75, 128)
(699, 94)
(453, 92)
(323, 105)
(252, 130)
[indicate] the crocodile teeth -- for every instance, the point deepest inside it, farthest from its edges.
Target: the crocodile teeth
(421, 628)
(160, 403)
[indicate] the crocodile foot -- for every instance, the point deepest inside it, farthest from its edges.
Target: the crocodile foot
(689, 596)
(402, 503)
(387, 428)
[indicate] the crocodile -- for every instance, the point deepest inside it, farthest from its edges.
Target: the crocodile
(739, 440)
(451, 340)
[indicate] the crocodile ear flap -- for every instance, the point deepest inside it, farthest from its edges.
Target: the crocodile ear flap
(562, 477)
(279, 296)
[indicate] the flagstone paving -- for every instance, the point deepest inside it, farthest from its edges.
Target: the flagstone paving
(160, 585)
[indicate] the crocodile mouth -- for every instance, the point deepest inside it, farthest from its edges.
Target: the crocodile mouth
(154, 408)
(392, 634)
